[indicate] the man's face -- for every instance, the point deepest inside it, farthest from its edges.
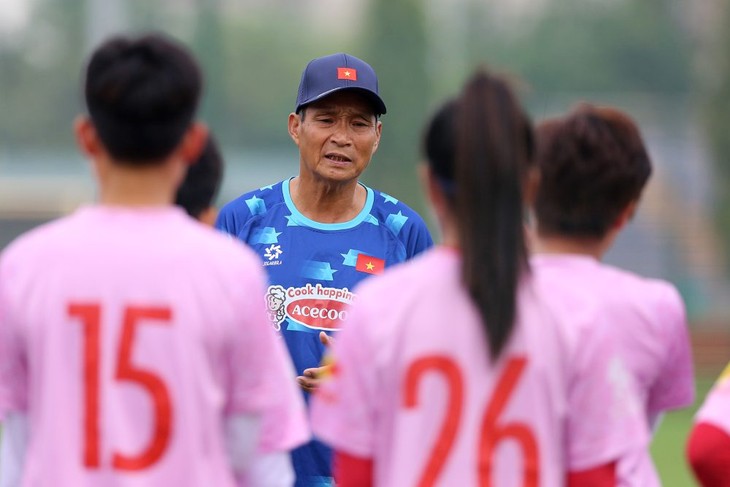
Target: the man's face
(337, 136)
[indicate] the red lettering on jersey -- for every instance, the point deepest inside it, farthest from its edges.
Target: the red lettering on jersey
(492, 432)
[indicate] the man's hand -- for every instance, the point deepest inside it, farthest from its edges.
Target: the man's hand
(310, 378)
(326, 339)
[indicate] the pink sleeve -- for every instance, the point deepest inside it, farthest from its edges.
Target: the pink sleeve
(13, 373)
(343, 410)
(675, 387)
(262, 378)
(604, 418)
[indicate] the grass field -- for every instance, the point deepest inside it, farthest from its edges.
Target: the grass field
(669, 441)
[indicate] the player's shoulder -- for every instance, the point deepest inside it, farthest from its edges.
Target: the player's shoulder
(43, 239)
(382, 297)
(219, 247)
(576, 313)
(251, 204)
(387, 207)
(404, 223)
(398, 280)
(643, 289)
(554, 283)
(584, 275)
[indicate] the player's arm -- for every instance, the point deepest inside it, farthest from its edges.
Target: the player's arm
(12, 448)
(655, 420)
(418, 238)
(249, 467)
(674, 387)
(226, 219)
(606, 421)
(708, 452)
(351, 471)
(601, 476)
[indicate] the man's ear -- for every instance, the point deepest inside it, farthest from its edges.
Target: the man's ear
(194, 142)
(294, 122)
(626, 215)
(87, 137)
(378, 131)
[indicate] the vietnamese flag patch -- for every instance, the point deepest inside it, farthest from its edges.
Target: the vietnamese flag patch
(369, 264)
(347, 73)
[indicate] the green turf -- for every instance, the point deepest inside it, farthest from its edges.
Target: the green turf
(669, 441)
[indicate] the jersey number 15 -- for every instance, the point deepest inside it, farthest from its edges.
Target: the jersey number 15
(90, 316)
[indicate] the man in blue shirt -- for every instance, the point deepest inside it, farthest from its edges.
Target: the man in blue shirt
(322, 231)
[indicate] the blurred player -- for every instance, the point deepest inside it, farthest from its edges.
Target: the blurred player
(134, 350)
(708, 446)
(197, 193)
(460, 368)
(323, 231)
(593, 167)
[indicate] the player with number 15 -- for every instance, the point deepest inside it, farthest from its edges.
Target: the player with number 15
(134, 349)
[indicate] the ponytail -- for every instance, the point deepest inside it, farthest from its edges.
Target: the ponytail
(480, 145)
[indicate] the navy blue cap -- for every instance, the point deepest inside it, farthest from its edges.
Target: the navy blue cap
(326, 75)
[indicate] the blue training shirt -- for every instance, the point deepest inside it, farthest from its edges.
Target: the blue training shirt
(313, 268)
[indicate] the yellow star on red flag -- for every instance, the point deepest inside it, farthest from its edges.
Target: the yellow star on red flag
(347, 73)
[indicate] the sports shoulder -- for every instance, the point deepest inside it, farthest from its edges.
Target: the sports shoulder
(393, 212)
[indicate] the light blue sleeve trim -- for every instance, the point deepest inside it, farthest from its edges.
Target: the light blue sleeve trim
(304, 221)
(13, 447)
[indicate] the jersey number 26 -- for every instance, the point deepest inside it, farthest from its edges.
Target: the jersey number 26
(491, 432)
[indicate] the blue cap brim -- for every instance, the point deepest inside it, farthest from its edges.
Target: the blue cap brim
(375, 100)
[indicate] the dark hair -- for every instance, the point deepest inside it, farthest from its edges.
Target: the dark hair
(142, 94)
(303, 110)
(202, 181)
(479, 146)
(593, 164)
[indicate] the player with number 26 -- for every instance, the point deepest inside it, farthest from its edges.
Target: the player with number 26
(462, 367)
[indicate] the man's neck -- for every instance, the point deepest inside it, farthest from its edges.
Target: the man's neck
(327, 203)
(124, 185)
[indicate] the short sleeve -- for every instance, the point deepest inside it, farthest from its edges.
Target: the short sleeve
(342, 411)
(13, 370)
(225, 220)
(262, 378)
(674, 387)
(419, 239)
(605, 422)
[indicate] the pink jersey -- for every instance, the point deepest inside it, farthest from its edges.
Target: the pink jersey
(648, 319)
(716, 408)
(128, 336)
(414, 389)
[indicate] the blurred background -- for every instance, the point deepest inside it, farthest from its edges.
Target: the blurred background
(665, 62)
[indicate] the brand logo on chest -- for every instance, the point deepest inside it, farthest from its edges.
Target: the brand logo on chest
(272, 254)
(311, 307)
